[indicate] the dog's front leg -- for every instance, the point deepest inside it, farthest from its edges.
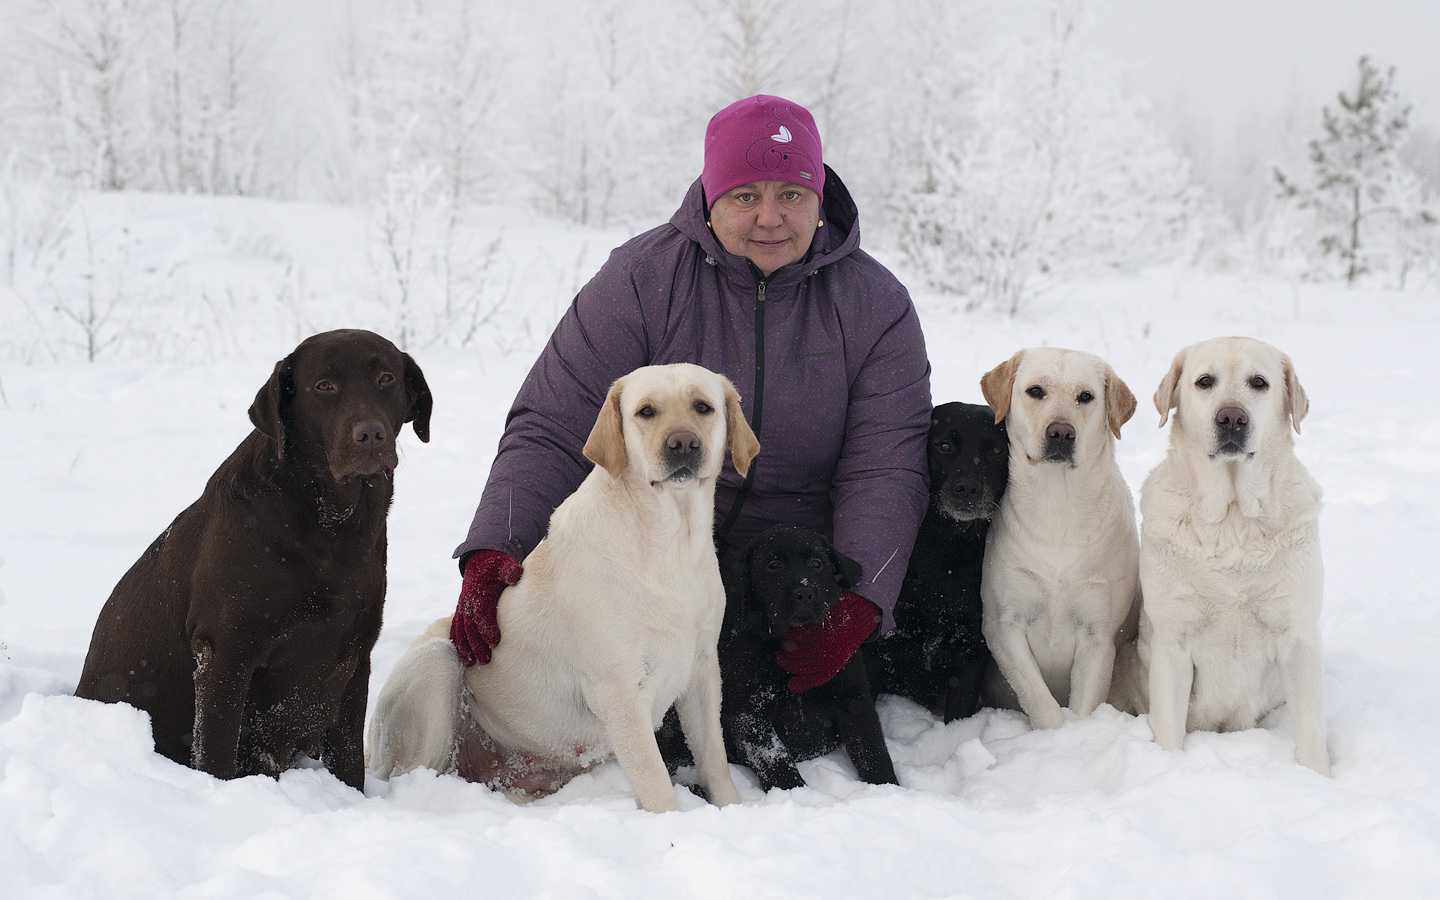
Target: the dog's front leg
(1011, 650)
(344, 745)
(1090, 672)
(625, 711)
(1302, 692)
(222, 684)
(699, 709)
(860, 725)
(1172, 673)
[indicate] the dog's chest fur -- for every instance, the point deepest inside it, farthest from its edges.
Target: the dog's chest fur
(1236, 591)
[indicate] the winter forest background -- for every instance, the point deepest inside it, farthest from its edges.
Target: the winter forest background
(420, 149)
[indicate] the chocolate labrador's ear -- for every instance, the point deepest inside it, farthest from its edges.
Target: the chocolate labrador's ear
(421, 401)
(847, 570)
(272, 405)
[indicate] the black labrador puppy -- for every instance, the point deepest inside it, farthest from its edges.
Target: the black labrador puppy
(937, 655)
(788, 576)
(245, 629)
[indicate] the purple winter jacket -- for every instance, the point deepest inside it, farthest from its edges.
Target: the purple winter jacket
(842, 416)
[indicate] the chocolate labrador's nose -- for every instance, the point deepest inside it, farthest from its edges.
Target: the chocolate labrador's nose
(369, 434)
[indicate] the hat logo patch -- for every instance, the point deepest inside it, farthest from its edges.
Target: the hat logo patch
(782, 136)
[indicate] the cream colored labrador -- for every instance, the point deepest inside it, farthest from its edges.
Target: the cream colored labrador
(616, 618)
(1059, 581)
(1230, 555)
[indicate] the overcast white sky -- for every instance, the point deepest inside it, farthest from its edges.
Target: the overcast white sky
(1240, 56)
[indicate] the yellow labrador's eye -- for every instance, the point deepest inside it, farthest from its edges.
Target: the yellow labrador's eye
(646, 412)
(1084, 396)
(1205, 382)
(325, 386)
(1259, 383)
(703, 408)
(386, 379)
(1036, 391)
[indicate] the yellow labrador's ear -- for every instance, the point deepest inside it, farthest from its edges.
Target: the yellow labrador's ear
(1297, 404)
(997, 384)
(271, 407)
(1119, 402)
(606, 445)
(1165, 399)
(743, 445)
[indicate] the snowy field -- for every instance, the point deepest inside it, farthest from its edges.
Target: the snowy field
(97, 459)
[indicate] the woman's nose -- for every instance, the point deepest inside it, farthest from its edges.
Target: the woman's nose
(768, 215)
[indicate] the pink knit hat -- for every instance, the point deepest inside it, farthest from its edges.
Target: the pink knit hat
(761, 138)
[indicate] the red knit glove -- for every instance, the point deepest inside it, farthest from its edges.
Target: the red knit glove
(814, 654)
(475, 629)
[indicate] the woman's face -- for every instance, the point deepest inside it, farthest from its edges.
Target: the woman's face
(770, 223)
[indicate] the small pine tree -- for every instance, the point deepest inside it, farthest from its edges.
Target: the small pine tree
(1360, 191)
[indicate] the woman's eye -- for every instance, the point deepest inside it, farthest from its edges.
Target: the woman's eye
(1205, 382)
(814, 563)
(386, 379)
(646, 412)
(745, 198)
(1085, 396)
(1036, 391)
(791, 196)
(703, 408)
(1259, 383)
(325, 386)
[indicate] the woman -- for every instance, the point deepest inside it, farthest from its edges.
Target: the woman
(758, 276)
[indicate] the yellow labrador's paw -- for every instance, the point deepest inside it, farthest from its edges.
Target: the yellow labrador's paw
(1319, 762)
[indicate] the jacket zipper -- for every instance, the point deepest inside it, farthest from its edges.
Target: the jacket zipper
(758, 408)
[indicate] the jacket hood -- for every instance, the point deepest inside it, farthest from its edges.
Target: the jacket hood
(835, 240)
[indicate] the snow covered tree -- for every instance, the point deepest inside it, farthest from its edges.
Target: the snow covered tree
(88, 58)
(1359, 190)
(1040, 167)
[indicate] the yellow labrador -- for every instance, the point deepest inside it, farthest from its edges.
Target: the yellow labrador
(616, 618)
(1230, 555)
(1059, 579)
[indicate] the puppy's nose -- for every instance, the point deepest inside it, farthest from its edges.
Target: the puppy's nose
(683, 442)
(369, 434)
(1060, 431)
(802, 594)
(1232, 417)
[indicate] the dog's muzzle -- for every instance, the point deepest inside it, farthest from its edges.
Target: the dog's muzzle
(1232, 431)
(1059, 442)
(963, 500)
(369, 451)
(681, 458)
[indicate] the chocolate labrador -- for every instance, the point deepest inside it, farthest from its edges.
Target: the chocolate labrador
(245, 629)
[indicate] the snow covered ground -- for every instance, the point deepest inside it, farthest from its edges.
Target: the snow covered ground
(96, 459)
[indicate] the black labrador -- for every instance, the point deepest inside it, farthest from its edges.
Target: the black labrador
(245, 629)
(937, 655)
(788, 576)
